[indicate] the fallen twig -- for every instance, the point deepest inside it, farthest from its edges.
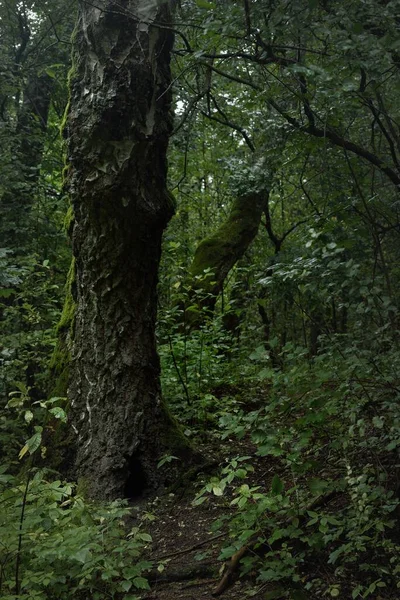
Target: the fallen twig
(200, 570)
(191, 548)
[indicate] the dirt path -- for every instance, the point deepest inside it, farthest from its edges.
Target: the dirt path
(186, 546)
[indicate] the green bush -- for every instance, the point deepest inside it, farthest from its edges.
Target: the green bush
(56, 546)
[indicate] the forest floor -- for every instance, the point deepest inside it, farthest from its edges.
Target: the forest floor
(186, 542)
(188, 537)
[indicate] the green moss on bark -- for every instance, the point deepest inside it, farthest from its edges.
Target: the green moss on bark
(173, 436)
(67, 315)
(218, 253)
(60, 442)
(221, 250)
(69, 219)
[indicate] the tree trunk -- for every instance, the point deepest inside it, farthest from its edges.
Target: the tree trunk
(28, 145)
(119, 123)
(217, 254)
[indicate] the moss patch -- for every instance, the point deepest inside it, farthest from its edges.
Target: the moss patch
(221, 250)
(68, 312)
(173, 437)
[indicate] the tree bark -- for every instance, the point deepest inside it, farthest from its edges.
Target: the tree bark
(118, 129)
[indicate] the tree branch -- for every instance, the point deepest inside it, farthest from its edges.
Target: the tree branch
(232, 126)
(338, 140)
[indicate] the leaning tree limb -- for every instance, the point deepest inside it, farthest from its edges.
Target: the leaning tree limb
(217, 254)
(232, 567)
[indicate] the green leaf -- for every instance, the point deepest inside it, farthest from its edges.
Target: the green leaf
(207, 6)
(266, 373)
(6, 292)
(356, 592)
(247, 534)
(15, 402)
(317, 486)
(378, 422)
(56, 399)
(126, 585)
(276, 535)
(144, 565)
(166, 459)
(227, 552)
(32, 444)
(23, 451)
(241, 473)
(28, 416)
(141, 583)
(277, 485)
(199, 500)
(82, 555)
(393, 444)
(58, 413)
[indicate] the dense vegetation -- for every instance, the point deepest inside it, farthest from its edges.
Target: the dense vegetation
(278, 321)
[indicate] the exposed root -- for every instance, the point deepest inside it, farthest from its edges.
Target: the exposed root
(231, 569)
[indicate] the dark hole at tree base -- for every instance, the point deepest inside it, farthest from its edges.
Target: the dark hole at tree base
(136, 484)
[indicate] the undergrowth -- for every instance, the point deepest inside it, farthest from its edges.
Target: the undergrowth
(55, 545)
(325, 523)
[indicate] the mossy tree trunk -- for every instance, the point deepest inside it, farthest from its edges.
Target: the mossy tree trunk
(118, 129)
(217, 254)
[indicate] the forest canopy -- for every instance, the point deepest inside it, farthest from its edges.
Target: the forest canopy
(199, 299)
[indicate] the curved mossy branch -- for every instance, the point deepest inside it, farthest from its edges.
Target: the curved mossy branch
(217, 254)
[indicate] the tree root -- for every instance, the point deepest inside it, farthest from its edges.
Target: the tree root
(230, 572)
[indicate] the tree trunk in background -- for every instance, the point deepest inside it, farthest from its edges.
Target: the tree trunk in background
(217, 254)
(19, 196)
(119, 123)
